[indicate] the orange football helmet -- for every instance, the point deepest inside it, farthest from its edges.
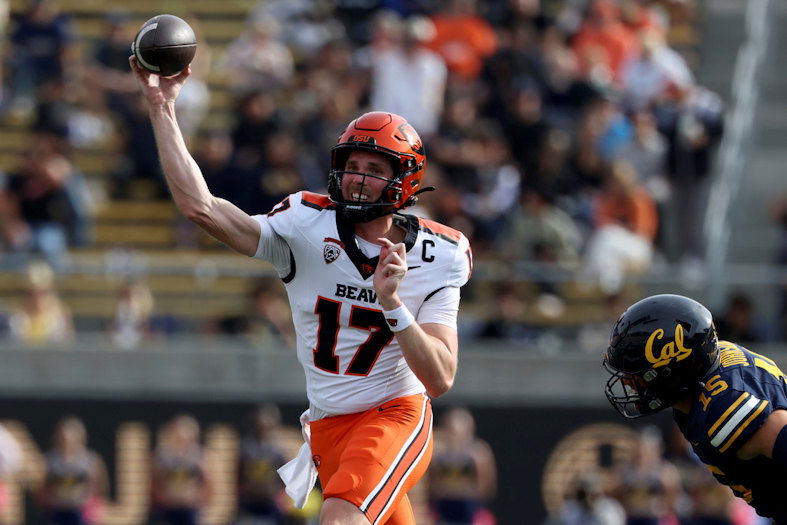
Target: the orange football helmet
(392, 136)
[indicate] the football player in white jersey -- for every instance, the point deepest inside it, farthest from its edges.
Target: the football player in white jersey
(374, 295)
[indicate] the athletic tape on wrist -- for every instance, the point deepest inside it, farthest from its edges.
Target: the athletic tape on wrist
(399, 318)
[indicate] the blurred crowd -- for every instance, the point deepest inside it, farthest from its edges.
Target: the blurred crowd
(655, 480)
(182, 476)
(662, 483)
(566, 137)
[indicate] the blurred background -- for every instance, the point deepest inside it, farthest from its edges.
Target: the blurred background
(594, 152)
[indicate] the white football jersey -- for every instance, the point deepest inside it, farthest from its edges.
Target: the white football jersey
(352, 361)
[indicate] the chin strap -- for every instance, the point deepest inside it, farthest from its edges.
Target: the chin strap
(423, 190)
(413, 199)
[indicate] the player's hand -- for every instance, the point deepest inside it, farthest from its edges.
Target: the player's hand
(391, 269)
(158, 90)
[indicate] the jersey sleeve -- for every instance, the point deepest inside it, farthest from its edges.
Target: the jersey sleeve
(462, 266)
(272, 247)
(441, 307)
(733, 416)
(276, 228)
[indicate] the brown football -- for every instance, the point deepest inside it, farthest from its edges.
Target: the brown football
(164, 45)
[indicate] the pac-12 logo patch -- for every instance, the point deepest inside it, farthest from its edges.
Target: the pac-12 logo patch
(332, 249)
(330, 253)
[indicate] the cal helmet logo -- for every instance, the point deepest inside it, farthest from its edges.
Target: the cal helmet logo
(669, 351)
(331, 250)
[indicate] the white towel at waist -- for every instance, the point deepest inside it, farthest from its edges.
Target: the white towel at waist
(300, 474)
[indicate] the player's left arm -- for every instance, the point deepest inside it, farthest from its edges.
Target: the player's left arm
(431, 350)
(770, 440)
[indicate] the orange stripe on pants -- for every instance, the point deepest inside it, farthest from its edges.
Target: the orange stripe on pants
(372, 458)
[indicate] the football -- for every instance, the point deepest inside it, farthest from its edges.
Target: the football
(165, 45)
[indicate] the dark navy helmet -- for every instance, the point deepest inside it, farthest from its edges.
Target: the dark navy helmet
(660, 351)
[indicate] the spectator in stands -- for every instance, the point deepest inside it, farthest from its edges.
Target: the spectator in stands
(385, 33)
(107, 69)
(626, 221)
(51, 197)
(75, 483)
(494, 193)
(613, 127)
(131, 322)
(456, 147)
(55, 106)
(284, 168)
(648, 485)
(258, 118)
(647, 153)
(215, 157)
(268, 324)
(463, 38)
(566, 92)
(518, 57)
(137, 173)
(739, 321)
(260, 489)
(42, 318)
(505, 316)
(180, 485)
(42, 49)
(462, 475)
(257, 60)
(646, 77)
(306, 25)
(538, 230)
(408, 79)
(583, 174)
(603, 44)
(526, 128)
(692, 120)
(643, 15)
(588, 505)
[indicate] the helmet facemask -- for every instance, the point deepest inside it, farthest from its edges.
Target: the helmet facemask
(357, 210)
(642, 393)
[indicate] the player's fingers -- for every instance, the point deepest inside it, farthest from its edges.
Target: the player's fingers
(393, 258)
(183, 75)
(132, 61)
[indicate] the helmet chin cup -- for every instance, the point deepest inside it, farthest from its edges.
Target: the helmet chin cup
(357, 211)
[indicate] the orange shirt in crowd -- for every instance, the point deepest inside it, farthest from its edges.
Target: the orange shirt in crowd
(464, 41)
(637, 212)
(604, 39)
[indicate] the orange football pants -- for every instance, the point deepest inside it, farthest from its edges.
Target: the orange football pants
(372, 458)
